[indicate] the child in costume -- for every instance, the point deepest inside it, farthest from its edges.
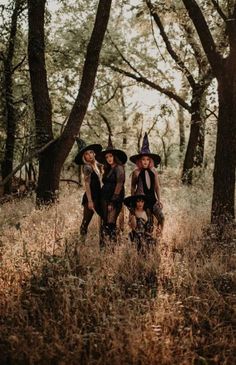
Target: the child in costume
(112, 192)
(140, 221)
(145, 180)
(92, 175)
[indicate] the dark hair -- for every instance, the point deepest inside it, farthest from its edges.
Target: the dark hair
(106, 165)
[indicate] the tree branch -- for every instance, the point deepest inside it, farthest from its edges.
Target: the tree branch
(219, 10)
(19, 64)
(25, 160)
(145, 81)
(104, 118)
(169, 47)
(204, 34)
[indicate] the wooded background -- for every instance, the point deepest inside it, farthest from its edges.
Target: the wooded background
(119, 68)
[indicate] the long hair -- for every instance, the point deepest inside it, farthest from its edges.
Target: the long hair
(139, 163)
(107, 167)
(93, 165)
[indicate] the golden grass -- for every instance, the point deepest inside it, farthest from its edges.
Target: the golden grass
(63, 302)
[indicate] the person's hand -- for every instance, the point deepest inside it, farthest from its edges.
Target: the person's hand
(161, 205)
(91, 205)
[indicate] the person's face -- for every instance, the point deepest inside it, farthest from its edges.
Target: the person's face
(89, 156)
(109, 158)
(140, 204)
(145, 161)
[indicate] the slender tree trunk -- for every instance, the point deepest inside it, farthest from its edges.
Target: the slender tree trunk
(124, 117)
(181, 129)
(225, 158)
(193, 137)
(199, 156)
(7, 163)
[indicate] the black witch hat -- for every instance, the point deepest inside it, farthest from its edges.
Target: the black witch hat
(83, 148)
(121, 155)
(145, 151)
(130, 201)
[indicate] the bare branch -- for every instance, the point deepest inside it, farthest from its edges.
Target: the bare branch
(169, 47)
(219, 10)
(104, 118)
(153, 85)
(25, 160)
(19, 64)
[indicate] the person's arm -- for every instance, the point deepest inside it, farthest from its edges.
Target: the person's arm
(157, 188)
(120, 180)
(87, 170)
(134, 179)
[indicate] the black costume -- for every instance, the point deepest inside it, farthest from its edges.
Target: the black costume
(95, 187)
(142, 234)
(92, 180)
(112, 195)
(144, 180)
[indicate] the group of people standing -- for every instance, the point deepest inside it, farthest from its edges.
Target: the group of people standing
(104, 178)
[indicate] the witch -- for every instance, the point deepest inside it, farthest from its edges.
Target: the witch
(112, 192)
(145, 180)
(92, 179)
(140, 222)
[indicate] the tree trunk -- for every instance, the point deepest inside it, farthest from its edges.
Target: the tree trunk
(224, 171)
(7, 163)
(199, 156)
(181, 129)
(193, 137)
(52, 159)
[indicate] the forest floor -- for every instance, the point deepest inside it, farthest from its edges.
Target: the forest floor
(63, 302)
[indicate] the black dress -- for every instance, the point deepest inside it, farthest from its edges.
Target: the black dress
(114, 178)
(148, 191)
(95, 188)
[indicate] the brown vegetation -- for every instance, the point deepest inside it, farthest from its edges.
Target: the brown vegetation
(174, 306)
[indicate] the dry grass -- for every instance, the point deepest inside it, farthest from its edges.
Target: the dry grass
(174, 306)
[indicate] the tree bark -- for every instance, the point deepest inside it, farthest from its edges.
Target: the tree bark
(51, 161)
(181, 129)
(223, 199)
(10, 113)
(41, 99)
(195, 128)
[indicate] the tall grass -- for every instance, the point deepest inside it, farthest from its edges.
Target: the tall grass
(64, 302)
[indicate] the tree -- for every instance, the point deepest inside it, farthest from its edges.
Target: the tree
(224, 69)
(9, 106)
(198, 76)
(52, 159)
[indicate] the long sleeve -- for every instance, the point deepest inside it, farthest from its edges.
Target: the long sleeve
(120, 180)
(134, 181)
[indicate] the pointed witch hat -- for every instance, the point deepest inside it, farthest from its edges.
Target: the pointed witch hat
(145, 151)
(83, 148)
(121, 155)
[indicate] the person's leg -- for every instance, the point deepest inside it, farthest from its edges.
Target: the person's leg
(113, 213)
(87, 216)
(104, 232)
